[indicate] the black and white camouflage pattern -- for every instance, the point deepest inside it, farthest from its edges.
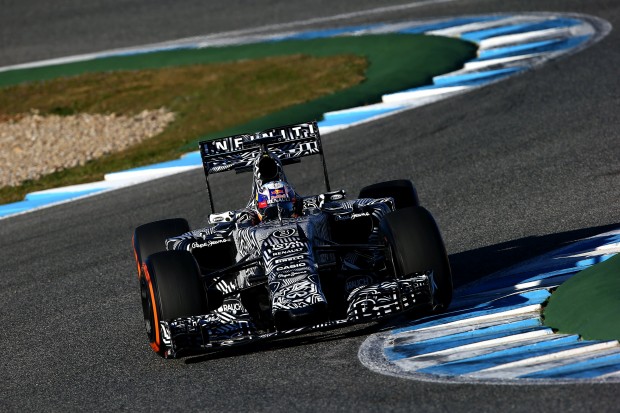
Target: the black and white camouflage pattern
(279, 263)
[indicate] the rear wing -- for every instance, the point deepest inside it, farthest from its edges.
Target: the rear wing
(237, 153)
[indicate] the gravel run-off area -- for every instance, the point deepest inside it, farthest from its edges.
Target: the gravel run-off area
(32, 145)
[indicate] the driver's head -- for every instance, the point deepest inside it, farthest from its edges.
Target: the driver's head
(275, 199)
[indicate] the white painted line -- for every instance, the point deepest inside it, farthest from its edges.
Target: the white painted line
(615, 374)
(476, 320)
(404, 97)
(415, 336)
(530, 365)
(480, 348)
(233, 33)
(474, 27)
(602, 250)
(506, 61)
(147, 174)
(500, 41)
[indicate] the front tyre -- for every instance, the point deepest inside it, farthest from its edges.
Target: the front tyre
(170, 287)
(401, 190)
(417, 246)
(151, 238)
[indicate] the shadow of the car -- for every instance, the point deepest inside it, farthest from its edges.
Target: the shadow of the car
(469, 266)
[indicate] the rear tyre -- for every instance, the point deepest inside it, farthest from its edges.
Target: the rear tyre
(151, 238)
(170, 287)
(402, 190)
(417, 246)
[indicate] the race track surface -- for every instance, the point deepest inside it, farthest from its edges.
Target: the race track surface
(509, 171)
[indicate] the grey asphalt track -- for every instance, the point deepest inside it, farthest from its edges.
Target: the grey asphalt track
(509, 171)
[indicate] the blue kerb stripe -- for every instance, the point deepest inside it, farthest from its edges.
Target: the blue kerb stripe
(513, 279)
(35, 200)
(353, 116)
(504, 304)
(588, 262)
(190, 159)
(319, 34)
(534, 47)
(398, 352)
(147, 51)
(520, 352)
(47, 197)
(590, 244)
(477, 36)
(591, 368)
(475, 77)
(419, 29)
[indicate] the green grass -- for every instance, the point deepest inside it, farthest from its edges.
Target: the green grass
(264, 89)
(588, 304)
(203, 97)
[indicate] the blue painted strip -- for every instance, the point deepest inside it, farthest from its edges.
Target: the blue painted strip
(36, 200)
(398, 352)
(447, 24)
(534, 47)
(591, 368)
(147, 51)
(353, 116)
(476, 78)
(590, 244)
(189, 159)
(17, 207)
(588, 262)
(477, 36)
(504, 304)
(47, 197)
(319, 34)
(509, 355)
(513, 279)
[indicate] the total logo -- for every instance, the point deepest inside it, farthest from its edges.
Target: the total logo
(209, 243)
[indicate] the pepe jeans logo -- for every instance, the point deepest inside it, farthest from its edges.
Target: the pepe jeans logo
(208, 243)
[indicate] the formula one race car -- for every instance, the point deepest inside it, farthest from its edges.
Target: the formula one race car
(286, 263)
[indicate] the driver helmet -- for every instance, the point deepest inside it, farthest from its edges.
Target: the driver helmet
(276, 198)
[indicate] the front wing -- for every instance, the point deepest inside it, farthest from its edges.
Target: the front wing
(221, 329)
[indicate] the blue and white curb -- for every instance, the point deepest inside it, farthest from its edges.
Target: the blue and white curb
(494, 333)
(507, 45)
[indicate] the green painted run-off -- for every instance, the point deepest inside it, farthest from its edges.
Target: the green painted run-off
(588, 304)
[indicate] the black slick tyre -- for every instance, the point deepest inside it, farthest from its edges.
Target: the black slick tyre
(150, 238)
(402, 190)
(417, 246)
(170, 287)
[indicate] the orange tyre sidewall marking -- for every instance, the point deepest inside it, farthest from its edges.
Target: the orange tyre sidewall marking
(135, 255)
(155, 345)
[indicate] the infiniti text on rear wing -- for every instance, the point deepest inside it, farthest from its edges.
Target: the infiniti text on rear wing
(238, 152)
